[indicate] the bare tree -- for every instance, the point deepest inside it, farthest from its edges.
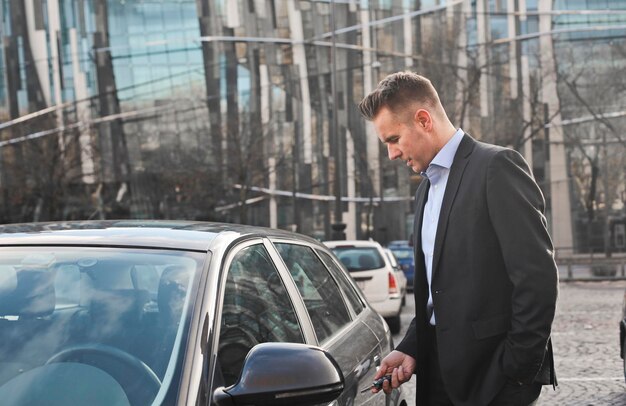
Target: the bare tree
(246, 163)
(598, 140)
(41, 169)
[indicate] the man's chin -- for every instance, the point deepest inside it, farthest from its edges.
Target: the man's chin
(414, 167)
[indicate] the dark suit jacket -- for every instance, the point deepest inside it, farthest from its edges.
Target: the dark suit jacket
(494, 282)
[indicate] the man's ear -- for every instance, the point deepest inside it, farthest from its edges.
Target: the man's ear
(423, 119)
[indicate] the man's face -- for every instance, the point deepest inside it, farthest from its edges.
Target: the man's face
(406, 138)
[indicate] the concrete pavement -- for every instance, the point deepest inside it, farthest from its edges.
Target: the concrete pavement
(586, 346)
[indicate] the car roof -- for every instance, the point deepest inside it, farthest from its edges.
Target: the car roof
(184, 235)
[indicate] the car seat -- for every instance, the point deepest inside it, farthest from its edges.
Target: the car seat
(116, 316)
(170, 301)
(27, 296)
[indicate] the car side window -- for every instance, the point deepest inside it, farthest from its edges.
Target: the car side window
(256, 309)
(345, 285)
(319, 290)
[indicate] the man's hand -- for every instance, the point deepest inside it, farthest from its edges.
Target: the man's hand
(400, 366)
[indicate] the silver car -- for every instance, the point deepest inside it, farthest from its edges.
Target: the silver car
(181, 313)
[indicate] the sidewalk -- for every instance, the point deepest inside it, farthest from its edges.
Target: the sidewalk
(586, 346)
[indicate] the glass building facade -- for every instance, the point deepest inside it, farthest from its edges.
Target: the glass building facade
(245, 110)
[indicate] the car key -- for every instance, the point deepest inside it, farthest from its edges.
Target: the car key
(378, 383)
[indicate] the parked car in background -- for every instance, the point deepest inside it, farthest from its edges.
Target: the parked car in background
(406, 258)
(372, 270)
(181, 313)
(400, 278)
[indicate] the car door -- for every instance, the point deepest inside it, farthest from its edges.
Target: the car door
(368, 318)
(338, 329)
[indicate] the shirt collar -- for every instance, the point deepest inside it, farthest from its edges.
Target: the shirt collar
(445, 156)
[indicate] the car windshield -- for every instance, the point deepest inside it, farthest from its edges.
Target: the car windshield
(359, 258)
(406, 253)
(92, 325)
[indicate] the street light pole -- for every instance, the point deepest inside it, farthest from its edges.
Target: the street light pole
(338, 226)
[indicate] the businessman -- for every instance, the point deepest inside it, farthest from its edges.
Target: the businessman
(485, 278)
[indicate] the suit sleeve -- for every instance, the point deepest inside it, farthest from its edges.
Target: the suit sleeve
(408, 345)
(516, 208)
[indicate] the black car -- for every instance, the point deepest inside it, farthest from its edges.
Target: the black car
(181, 313)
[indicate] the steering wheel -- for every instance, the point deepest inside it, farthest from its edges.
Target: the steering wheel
(141, 385)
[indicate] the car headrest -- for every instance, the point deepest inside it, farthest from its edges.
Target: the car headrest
(8, 280)
(172, 289)
(30, 294)
(366, 261)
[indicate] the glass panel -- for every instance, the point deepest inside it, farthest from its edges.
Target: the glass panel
(319, 290)
(256, 309)
(344, 282)
(120, 313)
(359, 258)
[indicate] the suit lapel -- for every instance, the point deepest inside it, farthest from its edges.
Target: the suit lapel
(420, 201)
(420, 285)
(454, 180)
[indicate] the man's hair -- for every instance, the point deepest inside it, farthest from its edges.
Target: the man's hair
(398, 90)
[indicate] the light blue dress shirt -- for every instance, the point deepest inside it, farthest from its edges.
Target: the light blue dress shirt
(437, 173)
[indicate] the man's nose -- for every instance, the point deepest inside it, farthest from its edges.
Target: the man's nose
(393, 152)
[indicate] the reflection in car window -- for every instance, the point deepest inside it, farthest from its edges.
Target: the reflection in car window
(342, 279)
(319, 290)
(256, 309)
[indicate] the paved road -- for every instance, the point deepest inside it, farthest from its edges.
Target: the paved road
(586, 345)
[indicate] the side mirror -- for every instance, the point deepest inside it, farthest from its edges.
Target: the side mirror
(284, 374)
